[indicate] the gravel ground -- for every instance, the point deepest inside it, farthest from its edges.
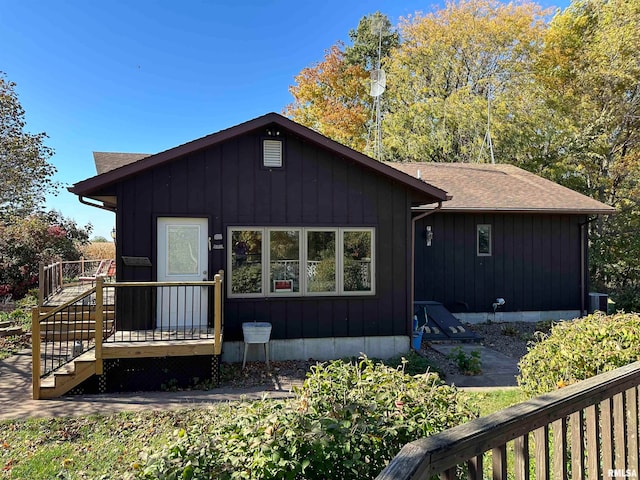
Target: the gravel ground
(510, 338)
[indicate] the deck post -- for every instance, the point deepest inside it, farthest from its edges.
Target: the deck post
(59, 285)
(41, 284)
(35, 350)
(99, 323)
(217, 319)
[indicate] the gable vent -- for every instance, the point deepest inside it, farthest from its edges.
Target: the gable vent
(272, 153)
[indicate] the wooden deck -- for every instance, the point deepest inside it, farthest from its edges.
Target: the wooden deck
(68, 347)
(69, 292)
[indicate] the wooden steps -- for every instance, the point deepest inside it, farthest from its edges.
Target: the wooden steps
(68, 376)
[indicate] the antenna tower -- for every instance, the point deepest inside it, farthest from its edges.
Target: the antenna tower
(378, 85)
(487, 136)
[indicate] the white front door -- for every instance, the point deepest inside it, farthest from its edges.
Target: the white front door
(182, 257)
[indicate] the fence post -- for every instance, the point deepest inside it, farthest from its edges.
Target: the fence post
(35, 351)
(81, 266)
(41, 283)
(99, 323)
(59, 286)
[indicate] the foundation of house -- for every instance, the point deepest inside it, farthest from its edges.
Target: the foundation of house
(321, 348)
(534, 316)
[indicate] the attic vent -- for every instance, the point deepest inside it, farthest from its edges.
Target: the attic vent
(272, 153)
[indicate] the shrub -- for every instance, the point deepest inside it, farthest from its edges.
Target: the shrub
(467, 363)
(579, 349)
(346, 421)
(25, 242)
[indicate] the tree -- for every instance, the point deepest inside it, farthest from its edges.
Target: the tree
(449, 64)
(331, 98)
(373, 35)
(591, 75)
(25, 173)
(40, 237)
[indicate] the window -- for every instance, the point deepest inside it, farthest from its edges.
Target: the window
(321, 261)
(300, 261)
(483, 242)
(246, 262)
(284, 261)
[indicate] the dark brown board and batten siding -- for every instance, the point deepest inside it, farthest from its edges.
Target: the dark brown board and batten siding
(227, 184)
(535, 263)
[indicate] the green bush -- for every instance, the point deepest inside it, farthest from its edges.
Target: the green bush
(348, 420)
(579, 349)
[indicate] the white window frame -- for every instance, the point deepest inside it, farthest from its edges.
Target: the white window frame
(479, 228)
(303, 254)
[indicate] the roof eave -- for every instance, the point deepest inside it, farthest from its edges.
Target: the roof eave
(567, 211)
(90, 185)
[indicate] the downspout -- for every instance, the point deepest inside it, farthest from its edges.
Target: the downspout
(583, 266)
(413, 253)
(84, 202)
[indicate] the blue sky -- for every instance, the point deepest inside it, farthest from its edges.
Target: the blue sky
(145, 76)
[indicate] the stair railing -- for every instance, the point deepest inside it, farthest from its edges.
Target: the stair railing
(61, 334)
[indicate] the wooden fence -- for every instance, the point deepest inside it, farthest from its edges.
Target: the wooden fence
(586, 430)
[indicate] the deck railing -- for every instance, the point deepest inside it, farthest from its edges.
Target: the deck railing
(586, 430)
(176, 311)
(180, 310)
(55, 276)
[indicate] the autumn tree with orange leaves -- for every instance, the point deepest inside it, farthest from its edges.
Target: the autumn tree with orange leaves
(331, 98)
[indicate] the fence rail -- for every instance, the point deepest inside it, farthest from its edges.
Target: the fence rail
(586, 430)
(55, 277)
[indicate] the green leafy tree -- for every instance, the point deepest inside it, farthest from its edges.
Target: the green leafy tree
(374, 35)
(450, 63)
(591, 75)
(40, 237)
(25, 171)
(332, 96)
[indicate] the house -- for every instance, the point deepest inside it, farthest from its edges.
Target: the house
(506, 234)
(312, 236)
(269, 221)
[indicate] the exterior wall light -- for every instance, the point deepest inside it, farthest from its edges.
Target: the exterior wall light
(428, 235)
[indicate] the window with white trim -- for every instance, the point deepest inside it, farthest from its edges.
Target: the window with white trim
(297, 261)
(483, 240)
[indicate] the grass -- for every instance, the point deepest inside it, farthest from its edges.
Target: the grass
(490, 401)
(108, 447)
(86, 447)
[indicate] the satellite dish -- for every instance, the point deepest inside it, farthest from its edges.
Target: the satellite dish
(378, 82)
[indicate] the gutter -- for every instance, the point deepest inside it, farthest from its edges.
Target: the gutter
(103, 207)
(583, 266)
(414, 220)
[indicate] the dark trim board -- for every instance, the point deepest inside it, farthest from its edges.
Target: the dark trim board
(535, 263)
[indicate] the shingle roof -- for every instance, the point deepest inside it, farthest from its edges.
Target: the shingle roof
(500, 187)
(107, 161)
